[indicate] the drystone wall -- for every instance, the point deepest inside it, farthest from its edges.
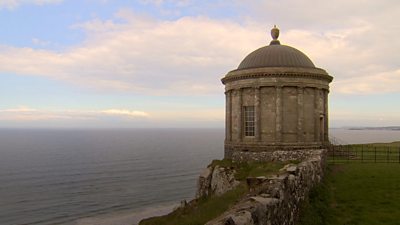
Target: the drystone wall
(271, 156)
(272, 200)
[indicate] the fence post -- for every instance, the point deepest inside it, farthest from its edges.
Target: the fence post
(375, 153)
(387, 154)
(348, 153)
(362, 153)
(399, 154)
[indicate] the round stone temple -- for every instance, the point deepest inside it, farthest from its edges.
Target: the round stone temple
(276, 99)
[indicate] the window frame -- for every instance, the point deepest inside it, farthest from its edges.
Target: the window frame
(249, 121)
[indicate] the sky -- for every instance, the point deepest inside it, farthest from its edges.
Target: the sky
(158, 63)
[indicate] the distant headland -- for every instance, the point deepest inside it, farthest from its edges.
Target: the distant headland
(394, 128)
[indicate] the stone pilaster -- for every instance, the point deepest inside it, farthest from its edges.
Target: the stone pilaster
(300, 114)
(316, 116)
(228, 116)
(240, 125)
(258, 114)
(278, 127)
(326, 92)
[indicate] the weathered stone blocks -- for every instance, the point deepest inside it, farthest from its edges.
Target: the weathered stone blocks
(272, 200)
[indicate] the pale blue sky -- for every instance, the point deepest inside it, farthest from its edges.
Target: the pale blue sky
(158, 63)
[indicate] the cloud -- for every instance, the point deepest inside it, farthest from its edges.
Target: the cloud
(23, 116)
(354, 117)
(23, 113)
(123, 112)
(28, 113)
(11, 4)
(185, 56)
(370, 84)
(179, 3)
(356, 41)
(39, 42)
(20, 109)
(188, 55)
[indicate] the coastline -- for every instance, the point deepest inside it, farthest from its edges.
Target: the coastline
(128, 218)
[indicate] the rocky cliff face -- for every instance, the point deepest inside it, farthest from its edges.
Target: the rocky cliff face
(216, 181)
(272, 200)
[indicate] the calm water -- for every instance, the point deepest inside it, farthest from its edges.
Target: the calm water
(61, 176)
(364, 136)
(57, 177)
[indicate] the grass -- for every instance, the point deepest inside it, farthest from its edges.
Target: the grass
(392, 144)
(355, 194)
(205, 209)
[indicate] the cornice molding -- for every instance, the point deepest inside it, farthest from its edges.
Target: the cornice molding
(277, 72)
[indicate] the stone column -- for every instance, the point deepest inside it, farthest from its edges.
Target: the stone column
(228, 116)
(258, 114)
(300, 114)
(278, 127)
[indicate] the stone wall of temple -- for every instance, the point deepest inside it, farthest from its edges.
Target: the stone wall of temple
(290, 113)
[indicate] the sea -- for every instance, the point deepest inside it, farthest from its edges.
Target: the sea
(111, 176)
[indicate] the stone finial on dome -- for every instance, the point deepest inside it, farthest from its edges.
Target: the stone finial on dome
(275, 35)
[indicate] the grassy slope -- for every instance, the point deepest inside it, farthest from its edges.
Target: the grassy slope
(201, 212)
(208, 208)
(355, 193)
(392, 144)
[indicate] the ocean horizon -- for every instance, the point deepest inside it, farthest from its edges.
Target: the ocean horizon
(100, 176)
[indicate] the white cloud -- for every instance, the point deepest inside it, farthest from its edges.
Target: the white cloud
(123, 112)
(27, 116)
(356, 41)
(39, 42)
(186, 56)
(354, 117)
(370, 84)
(189, 55)
(11, 4)
(28, 113)
(179, 3)
(23, 113)
(19, 109)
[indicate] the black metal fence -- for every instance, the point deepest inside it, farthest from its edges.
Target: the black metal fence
(364, 154)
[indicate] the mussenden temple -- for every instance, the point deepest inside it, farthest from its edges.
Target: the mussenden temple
(276, 99)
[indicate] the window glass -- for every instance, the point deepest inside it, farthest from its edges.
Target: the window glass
(249, 121)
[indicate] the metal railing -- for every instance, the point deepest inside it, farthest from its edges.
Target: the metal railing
(364, 153)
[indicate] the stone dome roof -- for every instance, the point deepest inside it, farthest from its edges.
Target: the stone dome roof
(276, 55)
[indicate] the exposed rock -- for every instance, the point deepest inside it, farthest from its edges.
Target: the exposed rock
(223, 180)
(265, 201)
(253, 182)
(204, 182)
(237, 218)
(242, 218)
(277, 197)
(183, 204)
(292, 169)
(216, 181)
